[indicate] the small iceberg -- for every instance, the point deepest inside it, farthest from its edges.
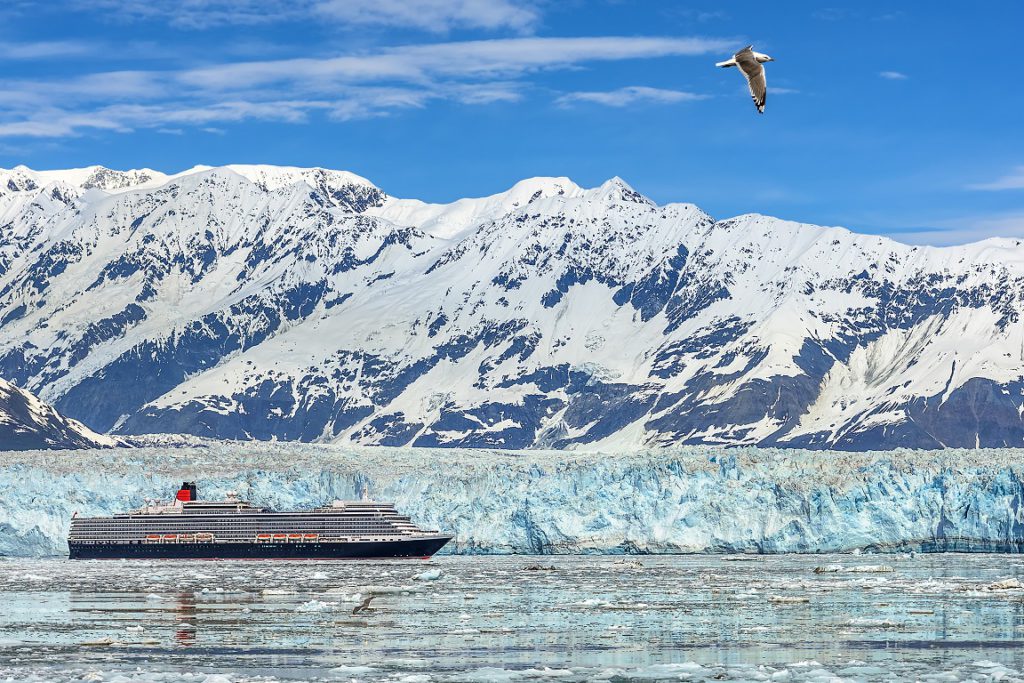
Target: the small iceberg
(871, 569)
(316, 606)
(429, 575)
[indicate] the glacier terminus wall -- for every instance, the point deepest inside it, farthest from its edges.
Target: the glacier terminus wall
(693, 499)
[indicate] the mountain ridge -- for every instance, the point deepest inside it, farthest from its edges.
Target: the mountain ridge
(309, 304)
(26, 423)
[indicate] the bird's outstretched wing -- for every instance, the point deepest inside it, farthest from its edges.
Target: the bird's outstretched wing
(363, 605)
(754, 72)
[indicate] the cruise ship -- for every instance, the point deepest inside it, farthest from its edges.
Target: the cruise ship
(234, 529)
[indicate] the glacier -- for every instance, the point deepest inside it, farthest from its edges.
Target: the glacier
(688, 499)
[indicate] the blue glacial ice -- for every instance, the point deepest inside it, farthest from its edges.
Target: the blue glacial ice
(697, 499)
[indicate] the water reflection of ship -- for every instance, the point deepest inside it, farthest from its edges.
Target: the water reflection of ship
(185, 619)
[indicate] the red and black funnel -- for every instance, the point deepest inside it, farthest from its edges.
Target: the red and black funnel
(187, 492)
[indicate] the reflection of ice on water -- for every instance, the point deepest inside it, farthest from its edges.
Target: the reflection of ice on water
(701, 618)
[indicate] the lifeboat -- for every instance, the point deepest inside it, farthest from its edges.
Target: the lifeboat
(204, 537)
(280, 537)
(186, 537)
(153, 537)
(263, 537)
(294, 537)
(311, 537)
(170, 537)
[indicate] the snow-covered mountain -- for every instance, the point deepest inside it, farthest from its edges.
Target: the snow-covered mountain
(307, 304)
(26, 423)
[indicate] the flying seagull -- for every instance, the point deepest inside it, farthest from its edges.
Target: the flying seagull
(750, 63)
(363, 605)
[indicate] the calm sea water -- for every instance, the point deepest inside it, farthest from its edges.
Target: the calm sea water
(702, 618)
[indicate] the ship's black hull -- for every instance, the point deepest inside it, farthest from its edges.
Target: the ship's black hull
(418, 548)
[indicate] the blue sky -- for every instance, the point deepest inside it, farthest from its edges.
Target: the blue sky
(902, 122)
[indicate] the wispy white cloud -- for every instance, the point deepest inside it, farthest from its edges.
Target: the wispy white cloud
(629, 95)
(436, 16)
(47, 49)
(467, 59)
(893, 75)
(1014, 180)
(197, 14)
(432, 15)
(358, 85)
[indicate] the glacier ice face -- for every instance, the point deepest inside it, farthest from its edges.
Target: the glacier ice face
(697, 499)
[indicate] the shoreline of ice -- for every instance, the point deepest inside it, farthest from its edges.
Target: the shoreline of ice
(693, 499)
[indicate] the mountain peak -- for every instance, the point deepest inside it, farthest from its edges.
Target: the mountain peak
(618, 190)
(275, 177)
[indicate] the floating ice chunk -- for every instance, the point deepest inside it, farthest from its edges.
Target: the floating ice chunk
(319, 576)
(624, 605)
(787, 599)
(154, 596)
(342, 596)
(429, 575)
(628, 564)
(590, 602)
(870, 569)
(1005, 585)
(548, 672)
(872, 623)
(406, 662)
(279, 591)
(99, 642)
(352, 670)
(828, 569)
(316, 606)
(366, 590)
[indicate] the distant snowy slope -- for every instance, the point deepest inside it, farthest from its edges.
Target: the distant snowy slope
(263, 302)
(26, 423)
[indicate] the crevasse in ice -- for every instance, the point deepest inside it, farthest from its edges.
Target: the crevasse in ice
(699, 499)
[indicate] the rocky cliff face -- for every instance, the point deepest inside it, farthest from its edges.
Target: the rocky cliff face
(26, 423)
(260, 302)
